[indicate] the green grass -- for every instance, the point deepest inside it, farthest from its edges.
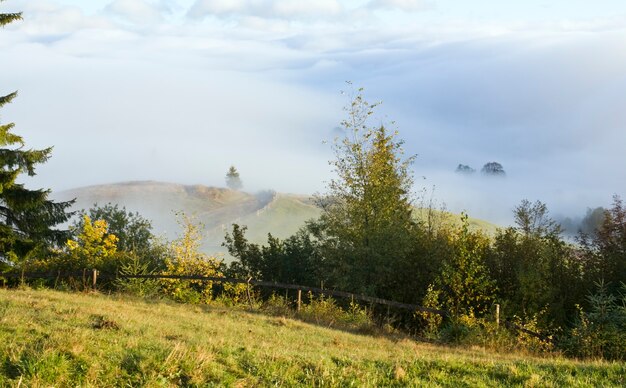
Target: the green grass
(442, 217)
(282, 217)
(51, 338)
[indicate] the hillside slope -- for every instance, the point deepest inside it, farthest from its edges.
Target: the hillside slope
(218, 208)
(52, 338)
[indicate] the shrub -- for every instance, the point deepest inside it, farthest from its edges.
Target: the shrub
(601, 332)
(278, 305)
(236, 294)
(92, 245)
(530, 342)
(321, 310)
(186, 259)
(134, 286)
(324, 310)
(463, 287)
(431, 322)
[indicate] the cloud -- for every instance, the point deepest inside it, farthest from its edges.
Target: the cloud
(401, 5)
(47, 22)
(549, 112)
(138, 11)
(203, 8)
(278, 9)
(180, 100)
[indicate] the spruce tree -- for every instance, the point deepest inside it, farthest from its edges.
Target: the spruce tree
(27, 217)
(233, 180)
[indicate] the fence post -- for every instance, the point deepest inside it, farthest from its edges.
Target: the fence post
(299, 299)
(94, 279)
(248, 292)
(498, 316)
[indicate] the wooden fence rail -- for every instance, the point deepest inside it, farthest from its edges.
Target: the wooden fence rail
(104, 276)
(315, 290)
(95, 275)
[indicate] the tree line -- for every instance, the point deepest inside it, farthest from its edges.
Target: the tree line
(489, 169)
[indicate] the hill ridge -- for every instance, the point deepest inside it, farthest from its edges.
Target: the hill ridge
(216, 207)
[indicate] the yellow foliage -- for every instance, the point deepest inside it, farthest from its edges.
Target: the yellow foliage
(186, 259)
(93, 244)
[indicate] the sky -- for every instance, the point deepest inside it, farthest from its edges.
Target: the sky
(179, 90)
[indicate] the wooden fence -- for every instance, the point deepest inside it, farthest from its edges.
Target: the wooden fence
(93, 276)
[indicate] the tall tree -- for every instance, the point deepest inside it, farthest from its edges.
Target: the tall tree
(534, 269)
(533, 219)
(606, 249)
(366, 226)
(27, 217)
(592, 221)
(493, 169)
(233, 180)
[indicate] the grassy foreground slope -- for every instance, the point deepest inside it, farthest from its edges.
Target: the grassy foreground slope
(63, 339)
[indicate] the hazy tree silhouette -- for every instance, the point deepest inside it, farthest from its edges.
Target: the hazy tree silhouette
(464, 169)
(493, 169)
(233, 181)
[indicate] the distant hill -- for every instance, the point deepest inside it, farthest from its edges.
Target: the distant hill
(445, 217)
(218, 208)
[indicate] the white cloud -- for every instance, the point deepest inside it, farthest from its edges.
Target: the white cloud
(402, 5)
(279, 9)
(203, 8)
(47, 22)
(306, 9)
(138, 11)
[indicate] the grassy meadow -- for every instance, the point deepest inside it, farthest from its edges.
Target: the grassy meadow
(53, 338)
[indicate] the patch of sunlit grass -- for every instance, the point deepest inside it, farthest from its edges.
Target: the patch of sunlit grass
(52, 338)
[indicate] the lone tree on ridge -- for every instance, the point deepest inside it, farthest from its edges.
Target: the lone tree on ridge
(233, 181)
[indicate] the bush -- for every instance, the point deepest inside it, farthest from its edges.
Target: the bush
(92, 246)
(463, 286)
(321, 310)
(469, 330)
(278, 305)
(530, 342)
(139, 287)
(191, 291)
(186, 259)
(324, 310)
(235, 294)
(601, 332)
